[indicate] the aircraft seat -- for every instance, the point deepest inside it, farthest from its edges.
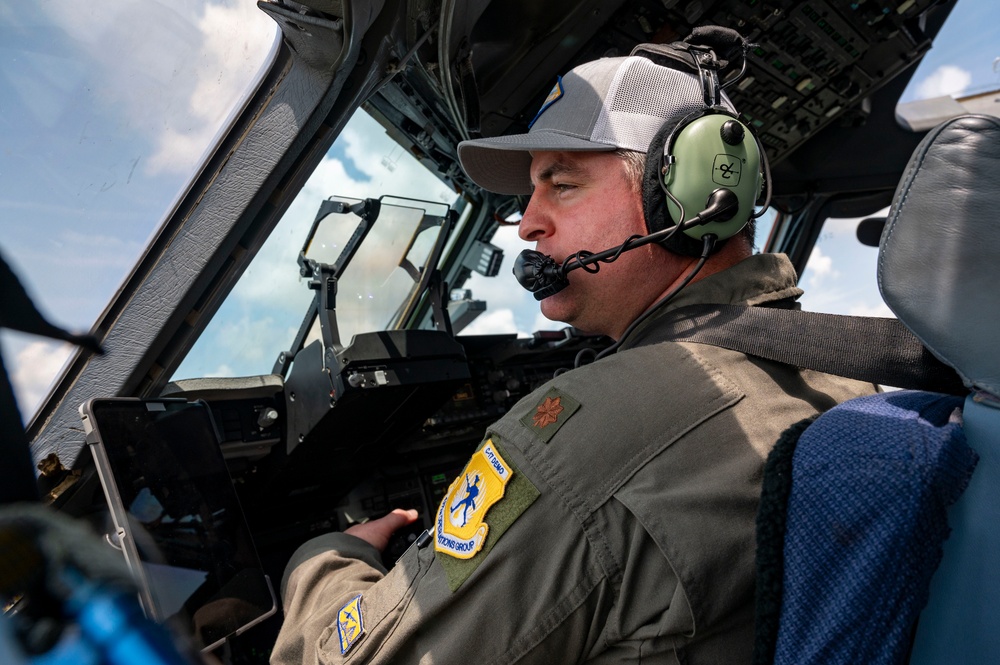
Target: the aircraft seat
(939, 270)
(856, 508)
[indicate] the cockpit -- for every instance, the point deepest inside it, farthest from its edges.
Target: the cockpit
(301, 253)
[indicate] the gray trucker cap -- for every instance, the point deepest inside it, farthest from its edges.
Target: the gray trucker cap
(605, 104)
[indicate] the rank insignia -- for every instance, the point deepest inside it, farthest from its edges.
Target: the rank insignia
(350, 624)
(460, 528)
(550, 414)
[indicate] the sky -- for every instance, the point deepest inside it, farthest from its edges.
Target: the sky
(96, 147)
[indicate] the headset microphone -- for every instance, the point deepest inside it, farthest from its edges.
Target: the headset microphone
(539, 274)
(543, 277)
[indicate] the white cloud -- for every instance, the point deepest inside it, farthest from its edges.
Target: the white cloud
(820, 264)
(35, 366)
(177, 83)
(819, 268)
(492, 323)
(222, 370)
(943, 81)
(234, 41)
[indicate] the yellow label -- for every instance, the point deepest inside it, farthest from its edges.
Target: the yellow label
(460, 528)
(350, 624)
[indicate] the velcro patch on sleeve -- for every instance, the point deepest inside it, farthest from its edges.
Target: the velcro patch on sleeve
(350, 624)
(550, 414)
(480, 505)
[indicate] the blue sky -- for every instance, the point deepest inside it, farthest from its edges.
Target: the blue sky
(96, 147)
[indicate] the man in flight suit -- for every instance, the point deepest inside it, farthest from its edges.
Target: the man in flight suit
(613, 513)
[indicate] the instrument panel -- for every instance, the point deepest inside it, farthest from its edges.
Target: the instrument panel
(341, 472)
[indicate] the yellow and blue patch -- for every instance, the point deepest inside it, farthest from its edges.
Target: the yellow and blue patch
(460, 526)
(489, 482)
(554, 96)
(350, 624)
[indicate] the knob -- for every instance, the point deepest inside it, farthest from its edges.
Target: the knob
(267, 417)
(732, 132)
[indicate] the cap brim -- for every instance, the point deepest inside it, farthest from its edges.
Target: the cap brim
(501, 164)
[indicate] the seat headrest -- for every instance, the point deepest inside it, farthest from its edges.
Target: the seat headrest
(939, 258)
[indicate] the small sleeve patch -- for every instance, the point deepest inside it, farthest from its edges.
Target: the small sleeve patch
(550, 414)
(350, 624)
(489, 483)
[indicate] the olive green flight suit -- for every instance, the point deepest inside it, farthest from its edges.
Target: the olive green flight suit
(626, 530)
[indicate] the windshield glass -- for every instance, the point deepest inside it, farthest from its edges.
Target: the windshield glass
(964, 59)
(384, 274)
(108, 111)
(262, 315)
(840, 276)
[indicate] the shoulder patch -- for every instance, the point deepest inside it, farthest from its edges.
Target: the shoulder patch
(550, 414)
(554, 96)
(489, 483)
(350, 624)
(460, 526)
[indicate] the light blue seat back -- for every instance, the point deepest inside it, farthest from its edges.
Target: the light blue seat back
(939, 272)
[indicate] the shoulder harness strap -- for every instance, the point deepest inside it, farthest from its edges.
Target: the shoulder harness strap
(875, 350)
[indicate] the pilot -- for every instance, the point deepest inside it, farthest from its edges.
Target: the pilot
(609, 516)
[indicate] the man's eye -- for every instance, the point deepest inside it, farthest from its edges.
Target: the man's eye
(563, 186)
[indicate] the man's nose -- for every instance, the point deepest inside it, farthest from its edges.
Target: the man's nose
(535, 223)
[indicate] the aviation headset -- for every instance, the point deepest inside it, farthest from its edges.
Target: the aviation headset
(707, 166)
(706, 150)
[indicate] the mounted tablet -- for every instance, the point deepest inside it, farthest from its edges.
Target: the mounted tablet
(177, 517)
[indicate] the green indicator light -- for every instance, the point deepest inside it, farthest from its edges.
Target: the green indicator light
(439, 478)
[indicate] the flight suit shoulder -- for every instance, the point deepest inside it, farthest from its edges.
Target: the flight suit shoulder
(588, 430)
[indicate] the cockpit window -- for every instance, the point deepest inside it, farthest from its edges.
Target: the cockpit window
(960, 74)
(262, 316)
(840, 276)
(108, 111)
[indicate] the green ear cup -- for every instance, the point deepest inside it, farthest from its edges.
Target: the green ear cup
(703, 161)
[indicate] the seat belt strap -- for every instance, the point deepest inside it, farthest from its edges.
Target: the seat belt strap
(875, 350)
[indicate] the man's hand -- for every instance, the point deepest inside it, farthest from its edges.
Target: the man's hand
(377, 532)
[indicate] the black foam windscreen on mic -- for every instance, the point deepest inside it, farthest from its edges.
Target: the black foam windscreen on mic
(539, 274)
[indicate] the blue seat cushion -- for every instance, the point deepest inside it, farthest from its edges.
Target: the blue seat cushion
(871, 481)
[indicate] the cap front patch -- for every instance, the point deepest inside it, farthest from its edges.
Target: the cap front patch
(550, 414)
(460, 526)
(350, 624)
(554, 96)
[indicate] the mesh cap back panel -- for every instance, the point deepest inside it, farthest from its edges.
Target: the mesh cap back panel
(631, 116)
